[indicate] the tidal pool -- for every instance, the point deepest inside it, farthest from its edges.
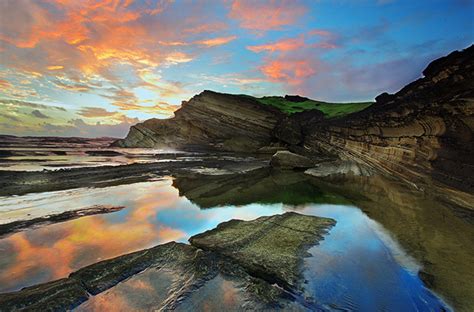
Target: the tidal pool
(361, 265)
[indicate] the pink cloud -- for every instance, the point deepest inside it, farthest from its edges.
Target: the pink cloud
(281, 45)
(288, 70)
(262, 16)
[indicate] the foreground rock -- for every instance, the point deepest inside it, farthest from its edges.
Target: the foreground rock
(289, 160)
(21, 225)
(260, 258)
(268, 247)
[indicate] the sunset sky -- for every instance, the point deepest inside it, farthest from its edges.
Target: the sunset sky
(93, 68)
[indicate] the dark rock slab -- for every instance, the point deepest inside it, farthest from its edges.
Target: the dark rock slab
(23, 182)
(268, 247)
(17, 226)
(59, 295)
(271, 254)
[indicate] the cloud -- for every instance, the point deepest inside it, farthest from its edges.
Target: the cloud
(39, 114)
(216, 41)
(78, 127)
(231, 79)
(5, 83)
(281, 45)
(206, 42)
(92, 112)
(206, 28)
(70, 46)
(13, 104)
(291, 61)
(55, 67)
(261, 16)
(289, 70)
(53, 120)
(104, 116)
(8, 116)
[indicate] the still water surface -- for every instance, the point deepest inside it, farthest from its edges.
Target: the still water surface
(358, 266)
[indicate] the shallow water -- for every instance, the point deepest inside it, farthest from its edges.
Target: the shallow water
(360, 265)
(51, 158)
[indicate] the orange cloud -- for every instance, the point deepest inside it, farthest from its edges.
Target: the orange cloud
(55, 67)
(288, 70)
(261, 16)
(206, 28)
(92, 112)
(5, 83)
(281, 45)
(216, 41)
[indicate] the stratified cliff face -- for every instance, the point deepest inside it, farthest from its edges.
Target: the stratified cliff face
(210, 120)
(422, 133)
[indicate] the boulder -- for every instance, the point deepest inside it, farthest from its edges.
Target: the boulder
(286, 159)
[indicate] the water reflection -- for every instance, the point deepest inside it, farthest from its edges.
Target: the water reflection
(360, 265)
(40, 158)
(155, 214)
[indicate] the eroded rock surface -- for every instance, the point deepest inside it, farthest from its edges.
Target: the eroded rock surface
(269, 247)
(289, 160)
(422, 134)
(212, 120)
(339, 167)
(261, 258)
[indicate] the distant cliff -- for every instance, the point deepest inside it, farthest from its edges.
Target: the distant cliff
(209, 120)
(422, 134)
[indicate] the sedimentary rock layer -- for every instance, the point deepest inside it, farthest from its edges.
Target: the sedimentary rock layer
(211, 120)
(422, 134)
(267, 263)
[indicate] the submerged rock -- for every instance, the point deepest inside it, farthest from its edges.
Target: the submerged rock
(262, 258)
(286, 159)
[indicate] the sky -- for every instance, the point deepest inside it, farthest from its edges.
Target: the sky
(94, 68)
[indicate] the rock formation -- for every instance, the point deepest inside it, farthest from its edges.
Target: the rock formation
(263, 256)
(209, 120)
(422, 134)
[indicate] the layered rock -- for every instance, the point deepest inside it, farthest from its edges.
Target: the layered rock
(289, 160)
(209, 120)
(261, 258)
(422, 134)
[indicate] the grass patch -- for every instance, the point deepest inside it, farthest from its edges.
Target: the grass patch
(330, 110)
